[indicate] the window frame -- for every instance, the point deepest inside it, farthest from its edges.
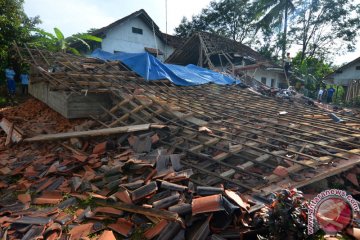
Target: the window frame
(137, 30)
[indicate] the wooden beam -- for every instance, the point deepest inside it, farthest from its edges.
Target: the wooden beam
(90, 133)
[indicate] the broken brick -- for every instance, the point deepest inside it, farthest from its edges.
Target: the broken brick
(100, 148)
(281, 171)
(24, 198)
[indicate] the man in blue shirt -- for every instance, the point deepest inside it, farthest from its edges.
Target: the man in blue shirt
(330, 93)
(10, 81)
(24, 83)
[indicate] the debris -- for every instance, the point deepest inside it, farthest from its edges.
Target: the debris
(335, 118)
(281, 171)
(192, 174)
(13, 134)
(207, 204)
(90, 133)
(352, 177)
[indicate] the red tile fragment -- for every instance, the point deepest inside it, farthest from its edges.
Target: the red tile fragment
(122, 226)
(100, 148)
(79, 196)
(109, 210)
(3, 185)
(207, 204)
(80, 157)
(352, 177)
(124, 196)
(107, 235)
(80, 231)
(24, 198)
(49, 198)
(94, 195)
(53, 232)
(281, 171)
(156, 230)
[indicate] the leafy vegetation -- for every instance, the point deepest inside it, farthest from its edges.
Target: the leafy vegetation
(229, 18)
(57, 41)
(14, 26)
(270, 13)
(322, 28)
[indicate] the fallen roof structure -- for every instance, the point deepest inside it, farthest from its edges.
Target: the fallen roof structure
(170, 174)
(223, 130)
(217, 52)
(207, 49)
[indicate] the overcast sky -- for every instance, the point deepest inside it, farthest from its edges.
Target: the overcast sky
(73, 16)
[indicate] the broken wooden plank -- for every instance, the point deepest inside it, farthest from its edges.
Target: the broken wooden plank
(13, 133)
(163, 214)
(90, 133)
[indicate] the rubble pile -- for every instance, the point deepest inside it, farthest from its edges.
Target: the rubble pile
(35, 117)
(163, 161)
(121, 187)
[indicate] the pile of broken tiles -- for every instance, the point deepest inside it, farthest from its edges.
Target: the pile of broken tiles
(129, 187)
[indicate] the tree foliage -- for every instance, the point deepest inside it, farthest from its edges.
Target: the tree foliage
(58, 42)
(319, 28)
(229, 18)
(270, 16)
(325, 27)
(15, 26)
(312, 70)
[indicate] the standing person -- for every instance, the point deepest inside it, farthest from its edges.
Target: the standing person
(24, 83)
(287, 65)
(330, 94)
(10, 81)
(320, 94)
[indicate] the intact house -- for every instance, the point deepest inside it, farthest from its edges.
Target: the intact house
(347, 76)
(137, 33)
(222, 54)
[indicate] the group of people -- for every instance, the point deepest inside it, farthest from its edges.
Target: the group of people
(326, 94)
(11, 84)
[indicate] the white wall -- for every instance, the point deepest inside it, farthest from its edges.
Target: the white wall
(121, 38)
(349, 73)
(260, 73)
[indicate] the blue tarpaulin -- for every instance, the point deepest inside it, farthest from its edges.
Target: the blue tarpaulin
(150, 68)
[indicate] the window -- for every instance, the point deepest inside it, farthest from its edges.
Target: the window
(137, 30)
(357, 67)
(272, 82)
(263, 80)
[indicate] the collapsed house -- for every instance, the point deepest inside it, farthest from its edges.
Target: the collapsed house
(222, 54)
(176, 155)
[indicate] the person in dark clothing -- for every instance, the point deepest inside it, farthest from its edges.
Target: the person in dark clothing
(330, 94)
(24, 83)
(287, 65)
(10, 81)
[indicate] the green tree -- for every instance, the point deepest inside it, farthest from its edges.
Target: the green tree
(228, 18)
(15, 26)
(325, 27)
(272, 13)
(57, 41)
(312, 70)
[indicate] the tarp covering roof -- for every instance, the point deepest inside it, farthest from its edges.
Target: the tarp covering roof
(150, 68)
